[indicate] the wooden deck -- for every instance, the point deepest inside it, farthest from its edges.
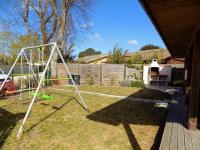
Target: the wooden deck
(176, 136)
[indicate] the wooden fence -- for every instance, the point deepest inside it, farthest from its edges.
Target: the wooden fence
(102, 74)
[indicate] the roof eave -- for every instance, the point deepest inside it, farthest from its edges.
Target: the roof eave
(154, 22)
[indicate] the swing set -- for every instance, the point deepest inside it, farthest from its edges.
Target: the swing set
(34, 56)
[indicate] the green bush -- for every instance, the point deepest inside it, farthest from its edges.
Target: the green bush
(126, 83)
(137, 84)
(177, 83)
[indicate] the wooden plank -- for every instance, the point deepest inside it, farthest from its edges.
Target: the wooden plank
(166, 137)
(188, 141)
(181, 113)
(181, 140)
(174, 137)
(195, 140)
(198, 137)
(174, 120)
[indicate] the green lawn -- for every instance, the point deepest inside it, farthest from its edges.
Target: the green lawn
(123, 91)
(62, 123)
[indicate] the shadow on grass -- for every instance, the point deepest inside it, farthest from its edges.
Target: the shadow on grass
(7, 122)
(151, 94)
(25, 101)
(29, 101)
(64, 94)
(49, 115)
(127, 112)
(55, 110)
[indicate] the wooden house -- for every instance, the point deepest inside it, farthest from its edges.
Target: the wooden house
(178, 23)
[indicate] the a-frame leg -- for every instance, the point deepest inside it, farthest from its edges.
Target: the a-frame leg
(70, 76)
(36, 92)
(40, 83)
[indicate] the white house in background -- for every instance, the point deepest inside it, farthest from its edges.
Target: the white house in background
(157, 74)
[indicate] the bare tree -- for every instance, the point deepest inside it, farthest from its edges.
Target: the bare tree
(53, 20)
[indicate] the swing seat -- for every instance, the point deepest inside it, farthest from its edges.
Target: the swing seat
(33, 93)
(44, 96)
(47, 97)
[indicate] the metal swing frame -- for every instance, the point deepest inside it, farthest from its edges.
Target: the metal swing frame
(21, 54)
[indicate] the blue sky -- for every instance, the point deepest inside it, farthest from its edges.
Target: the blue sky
(122, 22)
(119, 22)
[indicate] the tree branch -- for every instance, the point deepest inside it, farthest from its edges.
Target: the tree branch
(32, 5)
(25, 16)
(53, 28)
(47, 19)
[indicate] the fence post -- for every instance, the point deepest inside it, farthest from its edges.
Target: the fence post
(101, 74)
(78, 72)
(124, 71)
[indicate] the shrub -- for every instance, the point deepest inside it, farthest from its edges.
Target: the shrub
(136, 59)
(133, 76)
(126, 83)
(131, 83)
(136, 66)
(117, 55)
(137, 84)
(177, 83)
